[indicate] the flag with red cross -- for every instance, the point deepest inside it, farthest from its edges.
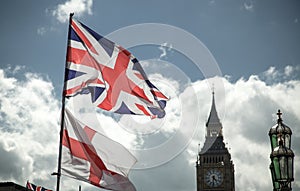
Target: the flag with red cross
(90, 156)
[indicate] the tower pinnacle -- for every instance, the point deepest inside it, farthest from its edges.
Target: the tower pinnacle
(213, 115)
(213, 124)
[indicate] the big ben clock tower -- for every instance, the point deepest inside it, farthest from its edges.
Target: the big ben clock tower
(215, 170)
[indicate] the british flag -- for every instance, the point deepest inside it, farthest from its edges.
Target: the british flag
(33, 187)
(110, 74)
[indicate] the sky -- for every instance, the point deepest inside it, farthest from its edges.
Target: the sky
(247, 51)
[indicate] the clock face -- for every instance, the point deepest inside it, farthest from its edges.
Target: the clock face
(214, 178)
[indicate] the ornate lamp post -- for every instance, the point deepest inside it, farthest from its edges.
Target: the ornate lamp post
(282, 157)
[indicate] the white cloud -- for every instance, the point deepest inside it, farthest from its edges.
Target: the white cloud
(288, 70)
(29, 115)
(29, 125)
(274, 75)
(248, 6)
(11, 70)
(165, 47)
(272, 72)
(79, 7)
(41, 31)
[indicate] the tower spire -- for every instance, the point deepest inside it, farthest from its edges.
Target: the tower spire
(213, 115)
(213, 124)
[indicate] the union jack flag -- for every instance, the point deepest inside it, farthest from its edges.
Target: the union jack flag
(33, 187)
(110, 74)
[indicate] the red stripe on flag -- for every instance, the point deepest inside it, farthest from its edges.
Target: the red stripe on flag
(72, 91)
(117, 79)
(84, 151)
(137, 91)
(87, 152)
(124, 51)
(158, 94)
(89, 132)
(78, 56)
(139, 75)
(142, 109)
(29, 186)
(83, 37)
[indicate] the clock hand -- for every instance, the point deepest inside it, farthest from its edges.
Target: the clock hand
(214, 180)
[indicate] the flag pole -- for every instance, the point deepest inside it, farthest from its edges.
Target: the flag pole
(58, 173)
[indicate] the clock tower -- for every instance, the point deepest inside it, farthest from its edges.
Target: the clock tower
(215, 169)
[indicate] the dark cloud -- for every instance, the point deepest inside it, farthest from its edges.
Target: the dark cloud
(11, 164)
(178, 174)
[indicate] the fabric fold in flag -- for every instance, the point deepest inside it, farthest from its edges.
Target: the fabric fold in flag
(110, 74)
(33, 187)
(92, 157)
